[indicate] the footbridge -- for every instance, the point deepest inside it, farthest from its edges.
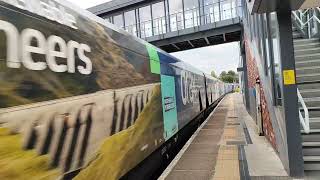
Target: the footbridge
(176, 25)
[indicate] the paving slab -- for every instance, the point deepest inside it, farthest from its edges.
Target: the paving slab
(227, 147)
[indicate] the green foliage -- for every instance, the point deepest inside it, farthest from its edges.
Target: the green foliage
(213, 74)
(229, 77)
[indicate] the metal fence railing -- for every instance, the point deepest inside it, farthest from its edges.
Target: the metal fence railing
(308, 21)
(189, 18)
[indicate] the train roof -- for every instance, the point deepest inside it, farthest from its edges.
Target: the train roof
(179, 63)
(82, 12)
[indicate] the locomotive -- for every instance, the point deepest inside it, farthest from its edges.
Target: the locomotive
(83, 99)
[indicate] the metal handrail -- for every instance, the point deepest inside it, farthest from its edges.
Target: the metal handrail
(188, 18)
(304, 120)
(304, 19)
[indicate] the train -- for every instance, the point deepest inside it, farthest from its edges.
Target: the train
(82, 99)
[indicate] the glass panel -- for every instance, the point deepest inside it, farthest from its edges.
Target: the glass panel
(159, 20)
(130, 22)
(191, 13)
(145, 21)
(226, 10)
(176, 15)
(108, 19)
(118, 20)
(274, 30)
(215, 10)
(207, 13)
(259, 34)
(266, 41)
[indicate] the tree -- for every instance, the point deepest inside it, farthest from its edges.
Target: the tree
(229, 77)
(232, 73)
(213, 74)
(223, 73)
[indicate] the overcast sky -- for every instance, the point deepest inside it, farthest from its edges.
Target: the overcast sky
(219, 58)
(88, 3)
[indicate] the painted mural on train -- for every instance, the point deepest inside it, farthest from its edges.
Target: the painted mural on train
(82, 99)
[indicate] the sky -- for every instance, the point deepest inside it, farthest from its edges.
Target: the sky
(88, 3)
(219, 58)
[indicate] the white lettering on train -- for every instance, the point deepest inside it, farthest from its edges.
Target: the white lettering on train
(20, 50)
(48, 9)
(188, 87)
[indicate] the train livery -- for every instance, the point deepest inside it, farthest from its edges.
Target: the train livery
(82, 99)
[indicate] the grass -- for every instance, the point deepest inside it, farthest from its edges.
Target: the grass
(17, 163)
(121, 152)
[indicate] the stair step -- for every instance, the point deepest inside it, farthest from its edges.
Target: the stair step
(311, 131)
(307, 46)
(307, 63)
(314, 123)
(309, 93)
(307, 57)
(296, 35)
(311, 151)
(311, 158)
(314, 137)
(312, 102)
(311, 144)
(314, 112)
(305, 41)
(307, 51)
(308, 70)
(308, 86)
(311, 166)
(308, 78)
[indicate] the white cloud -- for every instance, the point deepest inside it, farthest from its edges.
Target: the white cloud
(88, 3)
(219, 58)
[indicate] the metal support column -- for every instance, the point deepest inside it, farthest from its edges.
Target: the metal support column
(201, 12)
(167, 16)
(289, 91)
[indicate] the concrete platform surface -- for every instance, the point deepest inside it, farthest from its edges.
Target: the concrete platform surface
(226, 147)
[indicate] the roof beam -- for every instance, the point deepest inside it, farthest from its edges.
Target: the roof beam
(191, 44)
(176, 46)
(207, 41)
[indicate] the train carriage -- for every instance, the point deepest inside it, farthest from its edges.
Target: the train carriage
(82, 99)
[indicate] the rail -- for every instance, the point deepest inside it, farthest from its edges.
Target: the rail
(304, 120)
(307, 21)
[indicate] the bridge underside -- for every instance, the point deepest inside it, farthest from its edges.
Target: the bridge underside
(196, 37)
(176, 26)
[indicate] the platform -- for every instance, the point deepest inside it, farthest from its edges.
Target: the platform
(226, 147)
